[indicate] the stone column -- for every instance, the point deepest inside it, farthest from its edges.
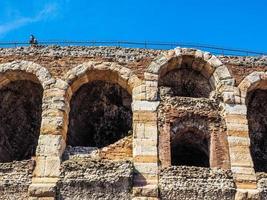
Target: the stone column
(145, 153)
(145, 139)
(51, 143)
(239, 149)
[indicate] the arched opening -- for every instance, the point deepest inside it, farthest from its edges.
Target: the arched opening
(190, 149)
(20, 119)
(184, 82)
(100, 115)
(257, 123)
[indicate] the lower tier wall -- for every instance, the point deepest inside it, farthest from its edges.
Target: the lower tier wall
(262, 185)
(195, 183)
(91, 179)
(95, 179)
(15, 178)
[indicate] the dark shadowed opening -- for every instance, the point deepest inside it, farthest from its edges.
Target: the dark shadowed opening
(257, 122)
(190, 149)
(20, 119)
(100, 115)
(184, 82)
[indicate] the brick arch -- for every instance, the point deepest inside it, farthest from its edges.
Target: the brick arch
(103, 71)
(204, 62)
(202, 128)
(24, 70)
(255, 80)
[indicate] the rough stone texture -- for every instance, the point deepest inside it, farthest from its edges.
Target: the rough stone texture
(262, 185)
(257, 121)
(195, 183)
(241, 66)
(15, 178)
(180, 116)
(100, 115)
(60, 59)
(120, 150)
(216, 125)
(185, 82)
(95, 179)
(20, 120)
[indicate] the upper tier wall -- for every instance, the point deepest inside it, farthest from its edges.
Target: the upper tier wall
(58, 60)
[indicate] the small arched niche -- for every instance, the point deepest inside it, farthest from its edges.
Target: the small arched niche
(100, 114)
(20, 119)
(257, 123)
(189, 148)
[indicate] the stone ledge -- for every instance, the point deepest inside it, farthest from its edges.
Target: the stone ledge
(42, 190)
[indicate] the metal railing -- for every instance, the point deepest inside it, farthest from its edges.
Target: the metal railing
(146, 45)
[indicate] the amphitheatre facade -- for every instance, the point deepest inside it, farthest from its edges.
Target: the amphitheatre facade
(121, 123)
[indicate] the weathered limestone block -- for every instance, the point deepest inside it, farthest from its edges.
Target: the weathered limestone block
(47, 166)
(50, 145)
(145, 106)
(144, 147)
(247, 195)
(147, 130)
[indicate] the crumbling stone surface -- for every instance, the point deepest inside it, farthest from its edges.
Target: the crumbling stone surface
(242, 66)
(184, 122)
(120, 54)
(60, 59)
(244, 60)
(20, 120)
(15, 178)
(95, 179)
(195, 183)
(257, 120)
(120, 150)
(185, 82)
(100, 115)
(262, 184)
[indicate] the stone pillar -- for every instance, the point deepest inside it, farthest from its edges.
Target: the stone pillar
(145, 153)
(239, 149)
(51, 144)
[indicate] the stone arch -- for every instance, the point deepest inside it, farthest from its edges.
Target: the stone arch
(106, 75)
(201, 62)
(255, 80)
(24, 70)
(193, 131)
(105, 71)
(21, 87)
(254, 91)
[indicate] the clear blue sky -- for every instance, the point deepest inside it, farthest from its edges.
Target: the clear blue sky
(227, 23)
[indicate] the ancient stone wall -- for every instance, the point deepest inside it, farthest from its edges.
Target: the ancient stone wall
(83, 178)
(196, 183)
(120, 123)
(15, 179)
